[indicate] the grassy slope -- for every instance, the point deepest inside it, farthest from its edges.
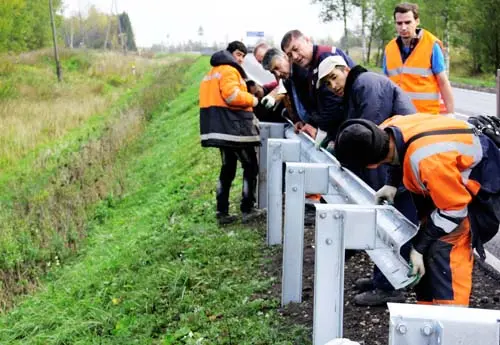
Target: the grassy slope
(156, 269)
(49, 188)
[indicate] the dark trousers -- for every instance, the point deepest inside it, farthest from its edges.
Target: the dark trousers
(248, 159)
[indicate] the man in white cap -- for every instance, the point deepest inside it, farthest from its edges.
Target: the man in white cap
(366, 95)
(370, 96)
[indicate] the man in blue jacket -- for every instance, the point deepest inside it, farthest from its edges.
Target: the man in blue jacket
(370, 96)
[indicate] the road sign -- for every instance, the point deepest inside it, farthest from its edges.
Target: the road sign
(255, 33)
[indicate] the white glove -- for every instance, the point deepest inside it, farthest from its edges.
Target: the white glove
(417, 264)
(268, 102)
(341, 341)
(386, 193)
(320, 136)
(255, 102)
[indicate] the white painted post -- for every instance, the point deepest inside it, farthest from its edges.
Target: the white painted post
(300, 178)
(278, 151)
(267, 131)
(338, 227)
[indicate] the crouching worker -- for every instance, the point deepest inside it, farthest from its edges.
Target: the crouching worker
(370, 96)
(228, 123)
(458, 170)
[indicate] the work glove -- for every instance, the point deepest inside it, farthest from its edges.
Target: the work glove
(320, 136)
(341, 341)
(386, 193)
(255, 102)
(417, 267)
(268, 101)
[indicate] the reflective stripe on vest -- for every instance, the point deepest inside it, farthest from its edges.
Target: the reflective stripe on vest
(448, 220)
(474, 150)
(423, 72)
(229, 137)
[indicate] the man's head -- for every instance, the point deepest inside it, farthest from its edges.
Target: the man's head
(237, 50)
(406, 19)
(255, 89)
(297, 47)
(260, 50)
(333, 72)
(276, 62)
(361, 143)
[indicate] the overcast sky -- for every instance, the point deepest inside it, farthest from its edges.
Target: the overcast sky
(156, 21)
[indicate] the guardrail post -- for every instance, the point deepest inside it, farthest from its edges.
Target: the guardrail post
(498, 92)
(267, 130)
(337, 227)
(278, 151)
(300, 178)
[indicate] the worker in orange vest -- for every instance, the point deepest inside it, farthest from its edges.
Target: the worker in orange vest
(452, 170)
(415, 61)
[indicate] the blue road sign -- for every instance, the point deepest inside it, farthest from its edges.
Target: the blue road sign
(255, 33)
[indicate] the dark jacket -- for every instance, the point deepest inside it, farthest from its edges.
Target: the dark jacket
(226, 115)
(298, 82)
(374, 97)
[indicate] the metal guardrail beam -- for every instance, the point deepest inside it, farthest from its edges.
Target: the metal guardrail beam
(442, 325)
(393, 229)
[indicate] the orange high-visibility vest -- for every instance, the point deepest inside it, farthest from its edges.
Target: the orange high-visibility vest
(415, 76)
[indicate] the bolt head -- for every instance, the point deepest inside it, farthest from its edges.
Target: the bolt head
(329, 241)
(401, 328)
(290, 171)
(294, 189)
(427, 330)
(301, 171)
(322, 215)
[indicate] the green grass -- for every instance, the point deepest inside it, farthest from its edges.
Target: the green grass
(48, 193)
(156, 269)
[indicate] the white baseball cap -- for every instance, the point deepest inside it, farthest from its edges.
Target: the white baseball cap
(327, 65)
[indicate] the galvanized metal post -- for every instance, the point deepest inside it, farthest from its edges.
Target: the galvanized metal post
(300, 178)
(278, 151)
(328, 277)
(293, 243)
(267, 131)
(338, 227)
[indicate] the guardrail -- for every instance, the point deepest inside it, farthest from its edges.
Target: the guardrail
(349, 220)
(380, 230)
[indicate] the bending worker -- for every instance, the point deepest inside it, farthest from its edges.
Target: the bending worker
(456, 170)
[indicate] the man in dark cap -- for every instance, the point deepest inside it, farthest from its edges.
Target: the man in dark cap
(457, 170)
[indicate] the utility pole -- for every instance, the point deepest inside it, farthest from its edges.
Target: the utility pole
(498, 92)
(56, 52)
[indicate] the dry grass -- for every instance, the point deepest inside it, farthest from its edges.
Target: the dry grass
(41, 110)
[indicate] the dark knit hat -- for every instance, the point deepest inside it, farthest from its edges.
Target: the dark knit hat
(360, 143)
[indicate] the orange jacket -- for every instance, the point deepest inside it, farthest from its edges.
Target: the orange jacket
(226, 114)
(415, 76)
(439, 165)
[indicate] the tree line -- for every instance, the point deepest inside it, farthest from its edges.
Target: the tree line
(470, 26)
(25, 25)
